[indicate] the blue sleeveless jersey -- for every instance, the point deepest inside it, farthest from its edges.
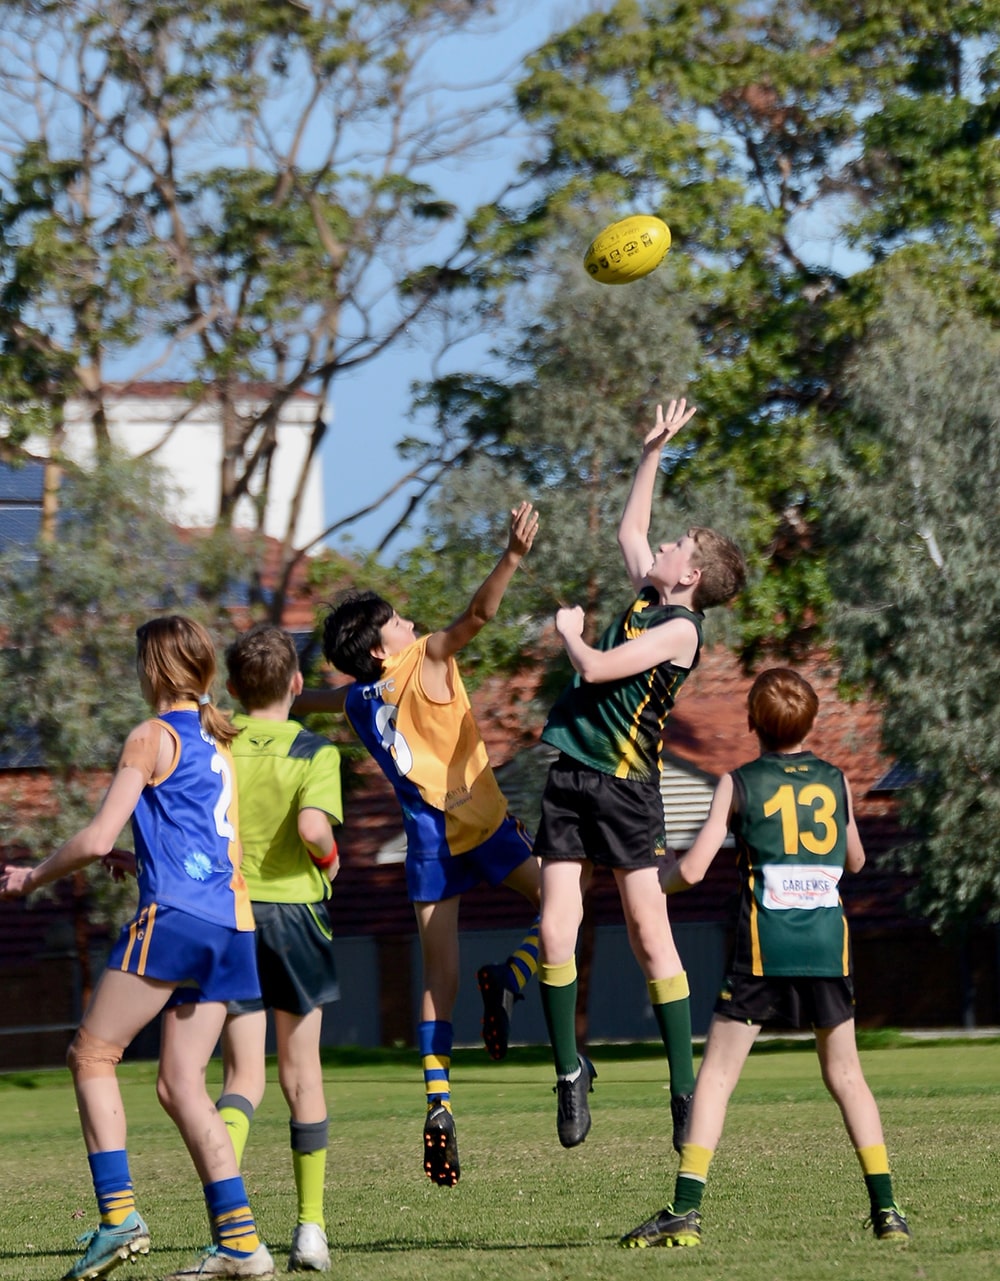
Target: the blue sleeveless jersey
(185, 830)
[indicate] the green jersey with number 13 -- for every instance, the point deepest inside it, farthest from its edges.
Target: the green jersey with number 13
(790, 825)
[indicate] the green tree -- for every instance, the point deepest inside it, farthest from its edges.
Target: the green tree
(69, 609)
(915, 522)
(235, 194)
(773, 139)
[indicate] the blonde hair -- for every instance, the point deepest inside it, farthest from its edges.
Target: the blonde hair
(723, 569)
(177, 657)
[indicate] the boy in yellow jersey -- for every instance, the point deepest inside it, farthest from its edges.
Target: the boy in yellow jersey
(411, 711)
(289, 782)
(791, 815)
(602, 804)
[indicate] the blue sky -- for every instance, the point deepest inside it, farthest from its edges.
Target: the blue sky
(370, 403)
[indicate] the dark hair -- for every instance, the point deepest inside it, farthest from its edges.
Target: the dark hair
(178, 658)
(351, 630)
(723, 569)
(261, 662)
(782, 706)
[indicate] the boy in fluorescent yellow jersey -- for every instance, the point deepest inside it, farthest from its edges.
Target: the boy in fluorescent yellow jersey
(602, 804)
(289, 783)
(410, 709)
(792, 818)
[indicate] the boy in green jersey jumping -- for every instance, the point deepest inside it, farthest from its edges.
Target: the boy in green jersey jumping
(602, 805)
(791, 816)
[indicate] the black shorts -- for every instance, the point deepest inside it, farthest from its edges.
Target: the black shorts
(613, 822)
(786, 1002)
(294, 959)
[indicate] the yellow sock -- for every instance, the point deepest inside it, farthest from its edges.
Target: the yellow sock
(237, 1112)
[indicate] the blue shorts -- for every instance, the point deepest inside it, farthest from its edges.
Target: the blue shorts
(205, 962)
(431, 878)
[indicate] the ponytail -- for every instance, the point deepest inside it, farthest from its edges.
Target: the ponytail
(215, 722)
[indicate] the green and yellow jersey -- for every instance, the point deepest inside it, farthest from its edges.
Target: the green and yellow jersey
(790, 825)
(616, 727)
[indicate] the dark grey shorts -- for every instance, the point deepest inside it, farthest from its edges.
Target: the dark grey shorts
(295, 959)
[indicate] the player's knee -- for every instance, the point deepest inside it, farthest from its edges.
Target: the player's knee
(167, 1093)
(89, 1057)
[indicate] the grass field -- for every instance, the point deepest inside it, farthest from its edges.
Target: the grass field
(785, 1201)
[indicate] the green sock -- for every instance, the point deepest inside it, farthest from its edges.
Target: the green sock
(879, 1191)
(692, 1174)
(688, 1193)
(237, 1112)
(875, 1167)
(559, 1005)
(671, 1003)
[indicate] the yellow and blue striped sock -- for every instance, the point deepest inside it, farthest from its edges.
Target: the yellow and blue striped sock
(434, 1037)
(233, 1227)
(112, 1185)
(522, 964)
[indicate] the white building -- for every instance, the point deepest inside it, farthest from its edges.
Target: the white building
(185, 438)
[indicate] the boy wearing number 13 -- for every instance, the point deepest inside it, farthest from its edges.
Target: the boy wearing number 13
(188, 950)
(791, 816)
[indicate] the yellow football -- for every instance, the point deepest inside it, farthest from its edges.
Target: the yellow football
(627, 250)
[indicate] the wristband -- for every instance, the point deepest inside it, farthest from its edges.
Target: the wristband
(328, 860)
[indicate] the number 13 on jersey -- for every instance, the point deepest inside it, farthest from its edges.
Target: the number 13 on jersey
(808, 818)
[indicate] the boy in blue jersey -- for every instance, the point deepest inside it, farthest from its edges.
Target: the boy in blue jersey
(289, 781)
(188, 951)
(793, 821)
(602, 805)
(409, 707)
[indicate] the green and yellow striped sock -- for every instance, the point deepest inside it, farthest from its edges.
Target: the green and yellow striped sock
(671, 1001)
(691, 1178)
(558, 987)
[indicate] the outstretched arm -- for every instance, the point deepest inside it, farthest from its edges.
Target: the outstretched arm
(484, 605)
(91, 843)
(327, 699)
(633, 529)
